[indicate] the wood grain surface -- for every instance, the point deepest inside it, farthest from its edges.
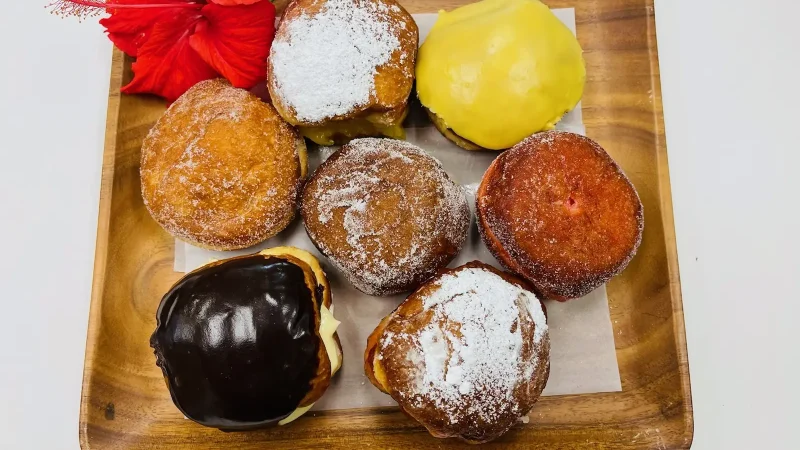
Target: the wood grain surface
(125, 403)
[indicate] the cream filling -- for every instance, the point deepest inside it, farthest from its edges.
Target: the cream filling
(295, 414)
(327, 328)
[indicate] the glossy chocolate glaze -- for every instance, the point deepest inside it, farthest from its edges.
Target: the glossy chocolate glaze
(236, 342)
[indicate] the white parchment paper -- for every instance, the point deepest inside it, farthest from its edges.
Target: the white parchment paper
(583, 357)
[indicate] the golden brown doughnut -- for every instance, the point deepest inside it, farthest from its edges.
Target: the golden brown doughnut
(221, 169)
(386, 214)
(559, 211)
(466, 355)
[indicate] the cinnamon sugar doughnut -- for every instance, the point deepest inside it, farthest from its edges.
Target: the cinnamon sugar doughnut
(559, 211)
(221, 169)
(385, 213)
(466, 355)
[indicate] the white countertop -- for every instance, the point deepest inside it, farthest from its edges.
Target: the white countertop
(730, 72)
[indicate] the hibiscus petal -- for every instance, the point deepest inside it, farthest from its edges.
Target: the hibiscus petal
(234, 2)
(128, 29)
(166, 65)
(235, 40)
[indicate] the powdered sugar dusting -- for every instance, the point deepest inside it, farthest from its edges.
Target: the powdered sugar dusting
(386, 214)
(483, 287)
(486, 354)
(324, 64)
(472, 351)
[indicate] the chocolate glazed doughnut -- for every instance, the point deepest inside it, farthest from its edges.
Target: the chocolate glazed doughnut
(239, 341)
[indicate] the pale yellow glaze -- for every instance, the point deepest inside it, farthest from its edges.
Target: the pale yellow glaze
(498, 71)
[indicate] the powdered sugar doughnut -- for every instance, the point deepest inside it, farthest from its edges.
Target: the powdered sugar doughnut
(340, 69)
(386, 214)
(559, 211)
(221, 169)
(466, 355)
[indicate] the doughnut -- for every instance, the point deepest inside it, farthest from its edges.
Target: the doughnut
(492, 72)
(557, 210)
(250, 341)
(385, 214)
(221, 169)
(341, 69)
(466, 355)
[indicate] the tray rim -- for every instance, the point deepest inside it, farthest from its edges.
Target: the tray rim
(118, 65)
(103, 221)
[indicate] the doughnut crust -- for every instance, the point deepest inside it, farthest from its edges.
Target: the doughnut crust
(386, 214)
(451, 135)
(466, 355)
(221, 169)
(559, 211)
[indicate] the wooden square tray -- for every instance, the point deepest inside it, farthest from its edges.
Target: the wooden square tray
(125, 403)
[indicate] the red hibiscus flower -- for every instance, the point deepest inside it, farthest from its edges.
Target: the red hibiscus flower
(178, 43)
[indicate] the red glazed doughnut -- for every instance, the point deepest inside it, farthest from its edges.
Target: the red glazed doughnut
(557, 210)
